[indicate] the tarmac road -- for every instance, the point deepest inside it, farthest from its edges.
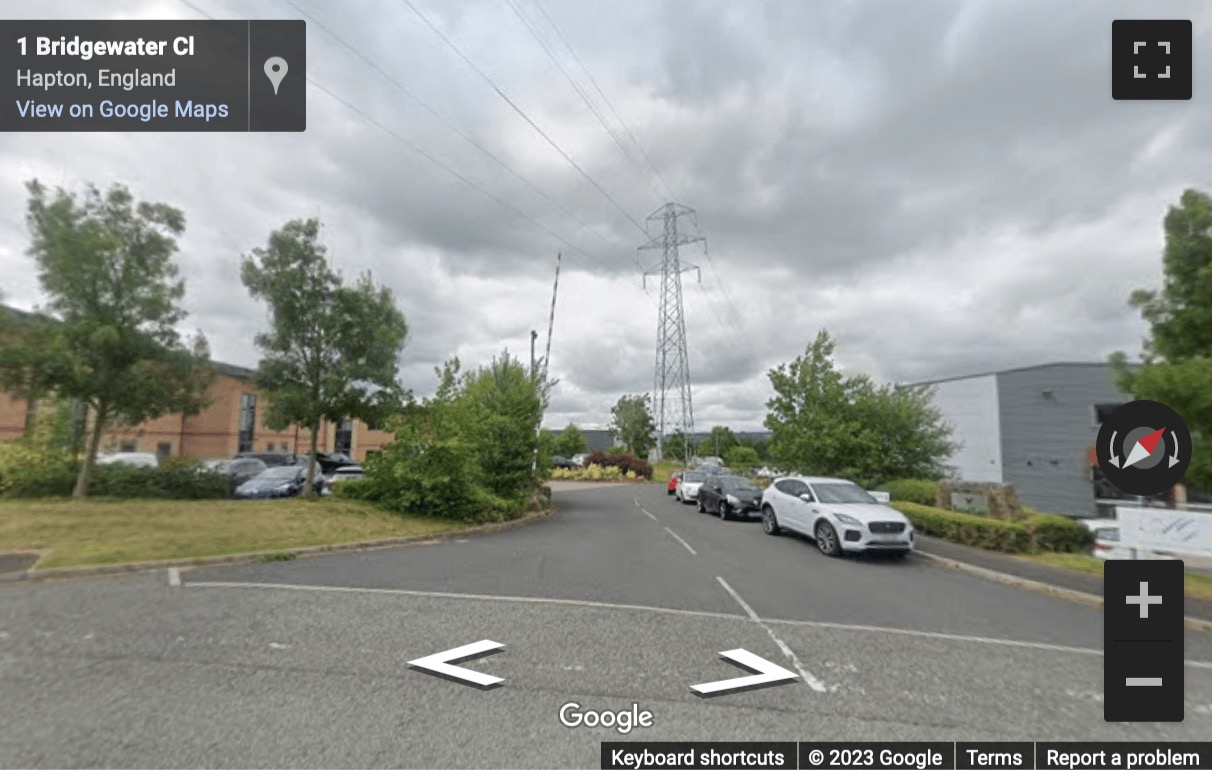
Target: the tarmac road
(622, 597)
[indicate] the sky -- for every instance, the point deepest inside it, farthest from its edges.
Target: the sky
(946, 186)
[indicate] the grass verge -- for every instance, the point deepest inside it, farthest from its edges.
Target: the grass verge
(72, 533)
(1197, 586)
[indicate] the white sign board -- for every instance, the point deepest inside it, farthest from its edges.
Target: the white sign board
(1181, 533)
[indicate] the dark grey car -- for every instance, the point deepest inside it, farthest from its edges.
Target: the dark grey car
(730, 496)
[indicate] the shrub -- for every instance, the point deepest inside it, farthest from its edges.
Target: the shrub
(27, 470)
(968, 529)
(918, 491)
(623, 462)
(1051, 532)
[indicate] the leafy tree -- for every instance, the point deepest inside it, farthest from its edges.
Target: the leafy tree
(719, 442)
(106, 264)
(503, 403)
(632, 424)
(332, 350)
(742, 458)
(571, 442)
(1176, 367)
(829, 424)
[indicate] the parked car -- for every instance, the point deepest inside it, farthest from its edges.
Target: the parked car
(730, 496)
(672, 487)
(237, 471)
(342, 474)
(136, 459)
(579, 460)
(687, 490)
(279, 481)
(563, 462)
(837, 514)
(1106, 539)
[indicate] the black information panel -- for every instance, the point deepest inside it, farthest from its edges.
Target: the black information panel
(153, 75)
(924, 755)
(1143, 640)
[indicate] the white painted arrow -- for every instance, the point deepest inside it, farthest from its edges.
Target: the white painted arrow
(768, 675)
(440, 664)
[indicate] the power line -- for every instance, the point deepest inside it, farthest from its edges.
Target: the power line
(522, 113)
(517, 11)
(436, 161)
(449, 124)
(605, 98)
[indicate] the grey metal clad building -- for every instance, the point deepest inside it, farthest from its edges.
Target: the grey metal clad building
(1033, 427)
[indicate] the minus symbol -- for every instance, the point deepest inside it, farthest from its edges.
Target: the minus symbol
(1144, 681)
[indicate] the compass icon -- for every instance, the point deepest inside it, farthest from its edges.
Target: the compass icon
(1144, 448)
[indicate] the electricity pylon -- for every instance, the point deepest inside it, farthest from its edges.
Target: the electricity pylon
(671, 390)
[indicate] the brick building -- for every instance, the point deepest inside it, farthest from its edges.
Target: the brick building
(233, 422)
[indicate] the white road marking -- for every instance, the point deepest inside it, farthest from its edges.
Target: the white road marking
(668, 611)
(812, 681)
(678, 537)
(649, 515)
(277, 646)
(174, 577)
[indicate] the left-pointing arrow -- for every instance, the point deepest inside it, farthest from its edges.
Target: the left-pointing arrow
(768, 675)
(440, 664)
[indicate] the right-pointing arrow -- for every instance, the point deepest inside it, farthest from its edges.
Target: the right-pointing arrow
(768, 675)
(439, 664)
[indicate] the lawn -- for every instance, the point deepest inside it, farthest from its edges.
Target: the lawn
(1198, 586)
(89, 532)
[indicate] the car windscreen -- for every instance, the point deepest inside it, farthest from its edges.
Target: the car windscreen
(694, 477)
(841, 493)
(737, 484)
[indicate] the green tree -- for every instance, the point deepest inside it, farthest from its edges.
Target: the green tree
(332, 350)
(742, 458)
(828, 424)
(106, 264)
(504, 406)
(571, 441)
(632, 426)
(719, 442)
(1176, 366)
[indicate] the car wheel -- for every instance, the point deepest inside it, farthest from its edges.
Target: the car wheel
(826, 539)
(725, 513)
(770, 522)
(702, 508)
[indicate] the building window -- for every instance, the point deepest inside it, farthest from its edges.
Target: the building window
(373, 426)
(343, 441)
(248, 420)
(164, 449)
(1103, 411)
(129, 446)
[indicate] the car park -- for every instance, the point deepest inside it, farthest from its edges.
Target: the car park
(237, 470)
(838, 515)
(728, 496)
(687, 490)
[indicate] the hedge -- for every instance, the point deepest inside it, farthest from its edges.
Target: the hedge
(1037, 532)
(918, 491)
(55, 476)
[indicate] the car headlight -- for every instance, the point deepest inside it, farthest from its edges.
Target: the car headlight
(847, 519)
(733, 500)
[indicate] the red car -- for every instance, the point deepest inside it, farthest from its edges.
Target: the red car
(673, 483)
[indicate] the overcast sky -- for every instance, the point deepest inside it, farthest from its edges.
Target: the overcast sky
(946, 186)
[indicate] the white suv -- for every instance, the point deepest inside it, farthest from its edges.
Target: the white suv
(838, 514)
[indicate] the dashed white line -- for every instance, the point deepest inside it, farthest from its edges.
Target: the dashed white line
(748, 618)
(678, 537)
(649, 515)
(174, 577)
(812, 681)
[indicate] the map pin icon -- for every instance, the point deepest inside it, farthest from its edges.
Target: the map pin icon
(275, 69)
